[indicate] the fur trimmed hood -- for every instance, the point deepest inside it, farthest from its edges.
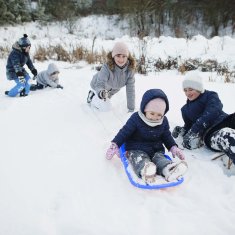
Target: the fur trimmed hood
(111, 63)
(17, 47)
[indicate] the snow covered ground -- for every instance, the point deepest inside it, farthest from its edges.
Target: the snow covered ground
(55, 180)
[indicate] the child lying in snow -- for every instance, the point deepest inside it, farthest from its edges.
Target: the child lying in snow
(49, 77)
(118, 72)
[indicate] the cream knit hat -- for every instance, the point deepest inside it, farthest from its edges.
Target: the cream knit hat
(194, 81)
(120, 48)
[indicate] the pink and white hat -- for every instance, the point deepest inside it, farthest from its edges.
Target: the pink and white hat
(120, 48)
(157, 105)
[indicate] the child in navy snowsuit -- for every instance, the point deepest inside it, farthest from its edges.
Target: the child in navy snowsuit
(15, 70)
(118, 72)
(204, 119)
(145, 134)
(47, 78)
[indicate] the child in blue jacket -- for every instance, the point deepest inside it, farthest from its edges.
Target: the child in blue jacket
(145, 134)
(15, 70)
(204, 119)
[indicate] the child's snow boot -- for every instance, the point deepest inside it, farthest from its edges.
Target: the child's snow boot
(6, 92)
(33, 87)
(148, 172)
(90, 96)
(174, 171)
(22, 93)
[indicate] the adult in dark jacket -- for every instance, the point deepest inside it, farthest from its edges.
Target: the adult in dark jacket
(204, 119)
(145, 134)
(15, 70)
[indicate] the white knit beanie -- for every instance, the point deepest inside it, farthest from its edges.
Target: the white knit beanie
(120, 48)
(194, 81)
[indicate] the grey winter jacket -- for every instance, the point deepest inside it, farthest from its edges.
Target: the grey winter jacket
(114, 79)
(46, 79)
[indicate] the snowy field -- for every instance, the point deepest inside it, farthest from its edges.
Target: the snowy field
(55, 180)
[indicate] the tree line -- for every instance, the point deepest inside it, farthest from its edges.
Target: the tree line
(145, 17)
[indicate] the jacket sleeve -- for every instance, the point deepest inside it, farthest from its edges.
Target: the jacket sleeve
(51, 83)
(15, 60)
(100, 79)
(124, 133)
(130, 92)
(213, 108)
(187, 122)
(29, 63)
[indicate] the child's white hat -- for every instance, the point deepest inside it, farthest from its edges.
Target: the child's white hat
(193, 80)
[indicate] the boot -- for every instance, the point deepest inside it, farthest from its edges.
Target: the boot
(148, 172)
(175, 171)
(22, 93)
(90, 96)
(33, 87)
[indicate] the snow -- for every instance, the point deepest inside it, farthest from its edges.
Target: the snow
(55, 180)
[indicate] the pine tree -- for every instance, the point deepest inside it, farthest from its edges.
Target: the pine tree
(19, 10)
(6, 17)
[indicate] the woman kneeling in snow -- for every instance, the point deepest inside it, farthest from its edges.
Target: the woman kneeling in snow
(116, 73)
(47, 78)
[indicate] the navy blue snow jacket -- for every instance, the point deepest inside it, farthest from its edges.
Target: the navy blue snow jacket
(16, 61)
(137, 135)
(203, 113)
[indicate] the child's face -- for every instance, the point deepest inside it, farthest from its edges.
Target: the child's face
(153, 116)
(191, 93)
(120, 59)
(54, 75)
(27, 49)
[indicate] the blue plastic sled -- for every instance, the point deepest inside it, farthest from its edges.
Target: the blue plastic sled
(145, 186)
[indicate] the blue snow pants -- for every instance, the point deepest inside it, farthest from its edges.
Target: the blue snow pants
(20, 86)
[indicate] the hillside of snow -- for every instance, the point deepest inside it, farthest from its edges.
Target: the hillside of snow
(55, 179)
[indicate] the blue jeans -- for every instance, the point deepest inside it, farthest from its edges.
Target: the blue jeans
(20, 86)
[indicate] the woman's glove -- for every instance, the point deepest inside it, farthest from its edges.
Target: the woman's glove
(20, 76)
(177, 152)
(192, 140)
(59, 86)
(34, 72)
(113, 150)
(103, 94)
(178, 131)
